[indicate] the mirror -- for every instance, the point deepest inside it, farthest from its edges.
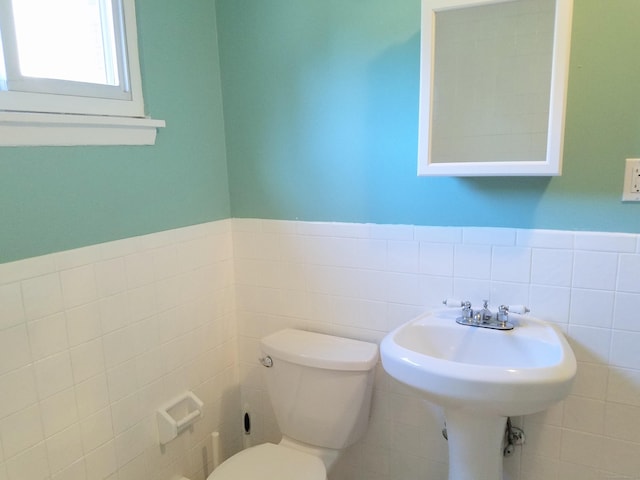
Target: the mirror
(493, 82)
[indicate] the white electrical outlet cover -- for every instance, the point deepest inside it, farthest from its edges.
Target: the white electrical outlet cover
(631, 188)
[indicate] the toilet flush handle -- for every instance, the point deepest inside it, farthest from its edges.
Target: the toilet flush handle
(267, 361)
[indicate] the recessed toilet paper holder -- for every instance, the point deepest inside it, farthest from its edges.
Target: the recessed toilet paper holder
(177, 415)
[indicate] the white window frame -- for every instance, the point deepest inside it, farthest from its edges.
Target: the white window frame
(77, 113)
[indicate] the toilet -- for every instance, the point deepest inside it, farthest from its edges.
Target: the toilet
(320, 387)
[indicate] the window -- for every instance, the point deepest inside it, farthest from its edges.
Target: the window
(70, 75)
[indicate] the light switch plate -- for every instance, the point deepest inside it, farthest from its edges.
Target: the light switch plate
(631, 188)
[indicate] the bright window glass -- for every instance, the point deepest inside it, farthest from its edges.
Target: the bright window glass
(66, 40)
(70, 75)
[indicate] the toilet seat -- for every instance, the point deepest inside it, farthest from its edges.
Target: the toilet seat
(270, 462)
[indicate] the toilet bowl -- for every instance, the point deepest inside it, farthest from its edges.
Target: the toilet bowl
(269, 461)
(320, 387)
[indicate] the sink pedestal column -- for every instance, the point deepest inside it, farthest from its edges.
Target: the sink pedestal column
(475, 444)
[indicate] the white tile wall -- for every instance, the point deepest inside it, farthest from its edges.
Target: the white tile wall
(93, 340)
(362, 280)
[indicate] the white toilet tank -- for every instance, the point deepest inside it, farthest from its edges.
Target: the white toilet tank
(320, 386)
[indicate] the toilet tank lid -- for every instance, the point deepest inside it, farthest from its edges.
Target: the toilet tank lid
(319, 350)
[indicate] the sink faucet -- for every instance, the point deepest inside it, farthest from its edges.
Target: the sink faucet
(484, 317)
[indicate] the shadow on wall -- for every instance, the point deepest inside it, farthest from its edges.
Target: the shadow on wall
(230, 436)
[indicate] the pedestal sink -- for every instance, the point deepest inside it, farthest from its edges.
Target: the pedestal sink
(480, 377)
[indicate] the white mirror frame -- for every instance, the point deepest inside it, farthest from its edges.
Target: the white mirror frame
(552, 165)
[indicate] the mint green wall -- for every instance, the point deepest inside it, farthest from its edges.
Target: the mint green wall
(59, 198)
(320, 110)
(321, 119)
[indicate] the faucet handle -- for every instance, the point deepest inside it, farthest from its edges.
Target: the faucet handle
(521, 309)
(503, 314)
(467, 312)
(453, 302)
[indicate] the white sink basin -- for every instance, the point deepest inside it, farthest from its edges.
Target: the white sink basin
(508, 373)
(480, 376)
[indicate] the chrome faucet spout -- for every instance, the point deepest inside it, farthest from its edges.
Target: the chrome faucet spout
(485, 317)
(485, 313)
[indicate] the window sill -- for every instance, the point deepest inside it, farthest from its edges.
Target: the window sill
(47, 129)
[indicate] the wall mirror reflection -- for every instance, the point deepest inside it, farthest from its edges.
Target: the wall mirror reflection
(493, 86)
